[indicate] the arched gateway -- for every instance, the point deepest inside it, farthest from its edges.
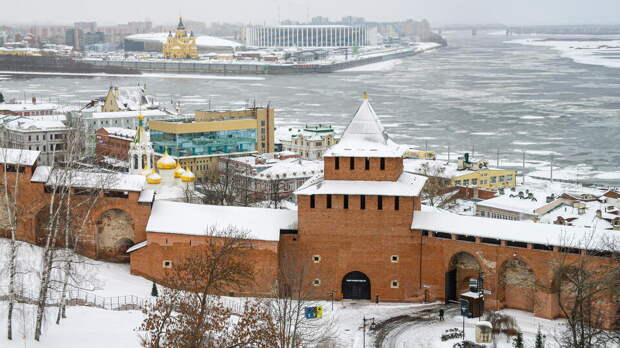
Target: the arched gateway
(356, 286)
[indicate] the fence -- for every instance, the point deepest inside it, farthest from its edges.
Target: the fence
(88, 299)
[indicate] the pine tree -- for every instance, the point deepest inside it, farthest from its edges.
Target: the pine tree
(154, 290)
(518, 341)
(540, 339)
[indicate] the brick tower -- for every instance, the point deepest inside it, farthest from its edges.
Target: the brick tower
(354, 234)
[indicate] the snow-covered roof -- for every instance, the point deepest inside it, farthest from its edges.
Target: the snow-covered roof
(25, 123)
(147, 196)
(131, 98)
(137, 246)
(365, 137)
(291, 168)
(25, 107)
(509, 230)
(515, 204)
(121, 132)
(407, 185)
(196, 219)
(84, 179)
(18, 156)
(201, 41)
(123, 114)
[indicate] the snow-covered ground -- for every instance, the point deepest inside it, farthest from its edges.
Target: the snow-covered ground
(428, 334)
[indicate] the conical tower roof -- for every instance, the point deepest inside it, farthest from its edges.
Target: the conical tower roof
(365, 137)
(181, 26)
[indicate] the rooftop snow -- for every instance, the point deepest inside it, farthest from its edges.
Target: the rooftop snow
(24, 123)
(18, 156)
(83, 179)
(145, 113)
(407, 185)
(516, 204)
(121, 132)
(291, 168)
(196, 219)
(365, 137)
(21, 107)
(516, 231)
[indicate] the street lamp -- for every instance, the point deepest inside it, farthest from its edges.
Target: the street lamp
(372, 326)
(331, 294)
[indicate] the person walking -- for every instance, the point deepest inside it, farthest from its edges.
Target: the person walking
(440, 314)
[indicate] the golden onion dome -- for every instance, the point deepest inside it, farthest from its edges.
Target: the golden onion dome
(153, 178)
(188, 176)
(166, 162)
(179, 171)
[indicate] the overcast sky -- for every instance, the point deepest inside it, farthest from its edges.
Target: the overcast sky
(438, 12)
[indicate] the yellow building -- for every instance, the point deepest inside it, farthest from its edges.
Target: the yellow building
(463, 173)
(199, 144)
(181, 45)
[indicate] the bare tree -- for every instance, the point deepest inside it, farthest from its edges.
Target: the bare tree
(294, 292)
(436, 187)
(586, 284)
(276, 188)
(68, 214)
(229, 184)
(189, 313)
(11, 206)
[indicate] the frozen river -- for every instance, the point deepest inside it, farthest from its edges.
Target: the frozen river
(480, 92)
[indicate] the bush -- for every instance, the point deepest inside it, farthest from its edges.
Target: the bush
(451, 334)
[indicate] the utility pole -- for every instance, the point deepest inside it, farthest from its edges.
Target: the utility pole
(523, 171)
(497, 158)
(448, 153)
(473, 151)
(425, 145)
(551, 167)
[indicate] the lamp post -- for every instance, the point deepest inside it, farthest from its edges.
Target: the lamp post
(331, 295)
(372, 325)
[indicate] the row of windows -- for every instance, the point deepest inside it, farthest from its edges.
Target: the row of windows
(494, 180)
(393, 258)
(345, 202)
(366, 163)
(52, 147)
(497, 215)
(394, 284)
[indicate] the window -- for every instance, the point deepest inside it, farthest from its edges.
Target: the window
(382, 164)
(508, 177)
(379, 202)
(167, 264)
(466, 182)
(329, 201)
(396, 203)
(362, 202)
(312, 201)
(394, 258)
(457, 183)
(262, 123)
(316, 282)
(394, 284)
(501, 178)
(316, 258)
(337, 163)
(345, 202)
(366, 163)
(352, 163)
(474, 181)
(493, 179)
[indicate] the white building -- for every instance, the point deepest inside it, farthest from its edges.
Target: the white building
(310, 36)
(309, 142)
(46, 136)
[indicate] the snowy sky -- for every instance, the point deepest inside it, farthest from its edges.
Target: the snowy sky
(269, 11)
